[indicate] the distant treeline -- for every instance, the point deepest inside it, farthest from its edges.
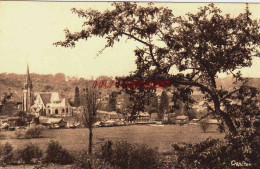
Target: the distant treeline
(11, 82)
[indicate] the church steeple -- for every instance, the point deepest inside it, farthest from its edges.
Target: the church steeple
(28, 83)
(27, 93)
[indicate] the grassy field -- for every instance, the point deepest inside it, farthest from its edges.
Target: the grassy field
(156, 136)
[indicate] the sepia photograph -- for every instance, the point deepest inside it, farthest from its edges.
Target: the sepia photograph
(129, 85)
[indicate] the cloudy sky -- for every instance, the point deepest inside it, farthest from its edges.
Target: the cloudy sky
(28, 30)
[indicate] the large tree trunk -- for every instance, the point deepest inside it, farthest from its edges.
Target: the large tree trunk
(90, 141)
(90, 148)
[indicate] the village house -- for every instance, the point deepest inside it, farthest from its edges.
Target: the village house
(182, 119)
(142, 118)
(104, 116)
(8, 122)
(53, 122)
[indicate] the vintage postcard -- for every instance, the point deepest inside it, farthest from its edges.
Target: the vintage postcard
(129, 85)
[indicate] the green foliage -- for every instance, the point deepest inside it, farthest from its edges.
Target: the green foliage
(30, 153)
(6, 154)
(55, 153)
(126, 155)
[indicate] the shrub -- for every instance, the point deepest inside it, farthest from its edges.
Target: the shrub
(19, 133)
(33, 132)
(126, 155)
(84, 160)
(204, 125)
(55, 153)
(31, 153)
(217, 153)
(6, 154)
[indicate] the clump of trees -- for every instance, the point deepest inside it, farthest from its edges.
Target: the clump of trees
(56, 154)
(6, 154)
(33, 154)
(31, 132)
(30, 154)
(201, 46)
(127, 155)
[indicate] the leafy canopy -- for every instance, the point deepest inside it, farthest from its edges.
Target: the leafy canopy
(199, 45)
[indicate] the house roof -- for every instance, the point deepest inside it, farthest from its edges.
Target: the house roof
(213, 121)
(50, 120)
(181, 117)
(144, 114)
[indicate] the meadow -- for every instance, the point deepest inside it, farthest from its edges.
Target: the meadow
(155, 136)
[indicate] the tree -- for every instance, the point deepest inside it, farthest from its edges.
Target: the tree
(4, 99)
(204, 125)
(200, 46)
(47, 88)
(76, 97)
(111, 106)
(164, 104)
(89, 101)
(190, 113)
(154, 102)
(207, 43)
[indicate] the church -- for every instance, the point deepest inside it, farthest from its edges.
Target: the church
(44, 103)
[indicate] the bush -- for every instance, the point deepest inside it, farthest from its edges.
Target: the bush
(31, 153)
(6, 154)
(84, 160)
(204, 125)
(217, 153)
(33, 132)
(19, 133)
(55, 153)
(199, 155)
(126, 155)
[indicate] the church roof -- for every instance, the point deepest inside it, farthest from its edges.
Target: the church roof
(46, 98)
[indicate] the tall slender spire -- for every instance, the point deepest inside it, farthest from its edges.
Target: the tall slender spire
(28, 79)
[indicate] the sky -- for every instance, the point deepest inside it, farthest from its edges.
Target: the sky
(29, 29)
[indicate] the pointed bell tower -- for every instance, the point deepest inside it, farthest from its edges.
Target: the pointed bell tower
(27, 92)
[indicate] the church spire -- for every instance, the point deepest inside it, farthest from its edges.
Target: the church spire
(28, 79)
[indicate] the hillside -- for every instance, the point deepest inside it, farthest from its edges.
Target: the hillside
(11, 82)
(41, 83)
